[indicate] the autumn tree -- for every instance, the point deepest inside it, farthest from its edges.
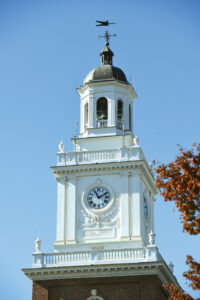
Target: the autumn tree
(179, 181)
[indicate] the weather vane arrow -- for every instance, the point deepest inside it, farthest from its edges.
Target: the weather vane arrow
(103, 23)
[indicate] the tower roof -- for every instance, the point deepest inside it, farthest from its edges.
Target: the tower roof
(106, 71)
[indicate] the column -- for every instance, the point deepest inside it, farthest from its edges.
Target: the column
(82, 117)
(111, 111)
(91, 111)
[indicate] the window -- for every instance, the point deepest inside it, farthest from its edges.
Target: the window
(119, 114)
(102, 112)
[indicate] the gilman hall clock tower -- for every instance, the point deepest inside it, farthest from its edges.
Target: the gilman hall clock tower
(105, 241)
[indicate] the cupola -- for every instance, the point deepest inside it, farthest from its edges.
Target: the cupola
(106, 100)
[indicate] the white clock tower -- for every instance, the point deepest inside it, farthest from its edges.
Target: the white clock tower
(106, 190)
(105, 187)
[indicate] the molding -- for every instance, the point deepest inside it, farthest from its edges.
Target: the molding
(109, 83)
(106, 167)
(129, 135)
(159, 269)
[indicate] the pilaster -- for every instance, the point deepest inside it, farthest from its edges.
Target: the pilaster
(151, 201)
(71, 210)
(124, 207)
(135, 206)
(60, 234)
(126, 113)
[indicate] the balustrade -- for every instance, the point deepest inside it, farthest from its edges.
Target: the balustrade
(102, 123)
(50, 259)
(114, 155)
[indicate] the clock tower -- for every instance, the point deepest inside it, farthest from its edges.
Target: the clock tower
(105, 241)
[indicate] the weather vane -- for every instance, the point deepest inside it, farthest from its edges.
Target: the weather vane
(107, 36)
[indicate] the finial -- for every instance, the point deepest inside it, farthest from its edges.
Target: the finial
(152, 238)
(171, 266)
(136, 141)
(38, 244)
(61, 147)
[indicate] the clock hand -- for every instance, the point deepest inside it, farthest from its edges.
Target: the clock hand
(96, 194)
(103, 194)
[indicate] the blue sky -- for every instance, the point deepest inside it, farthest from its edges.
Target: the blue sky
(47, 48)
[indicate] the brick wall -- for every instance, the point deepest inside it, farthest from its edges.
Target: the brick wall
(39, 292)
(114, 288)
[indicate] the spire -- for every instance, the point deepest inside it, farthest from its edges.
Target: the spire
(106, 55)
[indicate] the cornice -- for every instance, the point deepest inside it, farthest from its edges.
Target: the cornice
(109, 137)
(113, 270)
(84, 169)
(105, 83)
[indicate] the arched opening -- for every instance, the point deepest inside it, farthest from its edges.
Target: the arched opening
(130, 117)
(102, 112)
(86, 116)
(119, 114)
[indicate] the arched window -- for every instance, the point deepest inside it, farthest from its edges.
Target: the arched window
(119, 114)
(130, 117)
(102, 112)
(86, 115)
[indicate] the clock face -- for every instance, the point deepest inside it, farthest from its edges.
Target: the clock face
(98, 197)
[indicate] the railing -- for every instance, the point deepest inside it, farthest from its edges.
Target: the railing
(119, 124)
(102, 123)
(89, 157)
(95, 257)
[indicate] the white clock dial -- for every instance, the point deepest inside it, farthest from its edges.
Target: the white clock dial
(98, 197)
